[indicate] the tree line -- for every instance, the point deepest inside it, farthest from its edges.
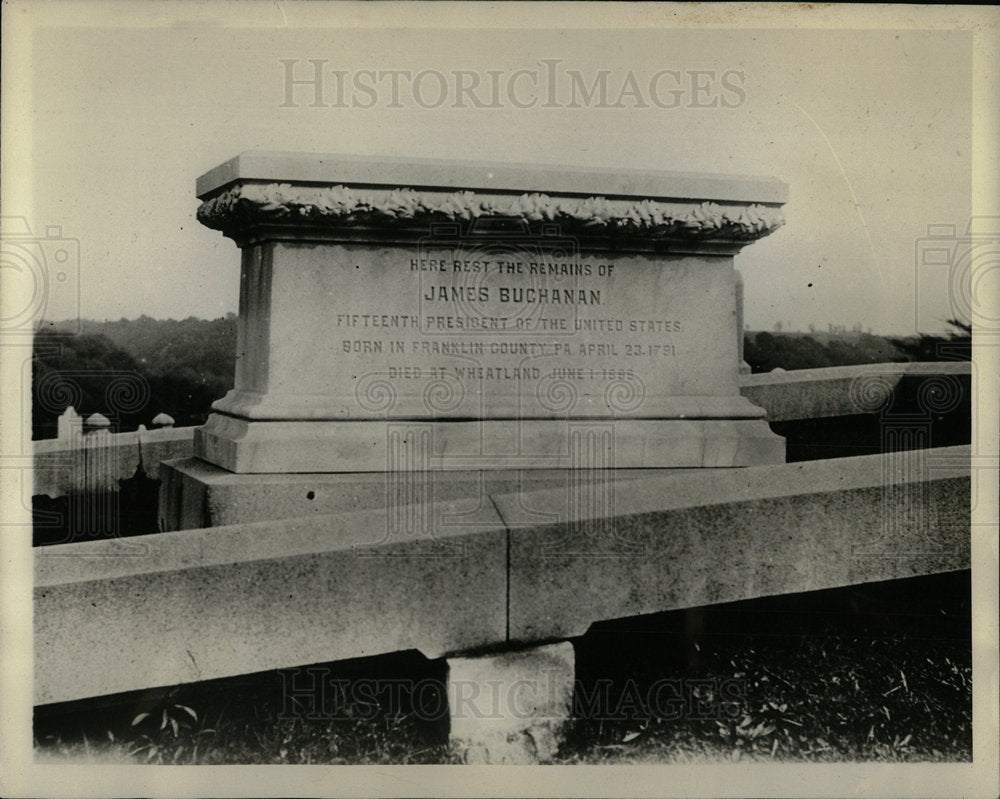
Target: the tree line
(131, 370)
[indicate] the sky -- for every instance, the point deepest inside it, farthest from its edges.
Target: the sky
(871, 129)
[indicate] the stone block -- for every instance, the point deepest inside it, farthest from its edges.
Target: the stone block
(511, 708)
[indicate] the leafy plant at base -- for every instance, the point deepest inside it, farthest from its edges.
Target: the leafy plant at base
(174, 735)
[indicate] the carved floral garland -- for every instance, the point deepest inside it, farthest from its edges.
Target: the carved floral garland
(250, 203)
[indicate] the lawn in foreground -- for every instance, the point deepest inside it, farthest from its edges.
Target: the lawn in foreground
(878, 672)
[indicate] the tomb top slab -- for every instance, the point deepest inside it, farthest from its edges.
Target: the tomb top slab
(355, 170)
(310, 191)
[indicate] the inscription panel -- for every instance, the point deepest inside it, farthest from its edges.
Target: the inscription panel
(494, 329)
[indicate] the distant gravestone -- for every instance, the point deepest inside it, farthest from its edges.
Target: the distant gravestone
(69, 425)
(96, 422)
(486, 313)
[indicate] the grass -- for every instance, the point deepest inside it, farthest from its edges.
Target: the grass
(828, 699)
(870, 673)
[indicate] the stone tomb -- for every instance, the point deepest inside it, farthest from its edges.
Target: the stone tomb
(420, 315)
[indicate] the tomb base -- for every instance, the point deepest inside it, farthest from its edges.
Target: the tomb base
(281, 470)
(262, 447)
(195, 494)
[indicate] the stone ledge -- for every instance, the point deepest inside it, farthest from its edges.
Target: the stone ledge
(851, 390)
(666, 490)
(676, 543)
(112, 616)
(122, 615)
(98, 462)
(47, 446)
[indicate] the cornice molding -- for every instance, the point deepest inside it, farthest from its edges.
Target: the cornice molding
(242, 206)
